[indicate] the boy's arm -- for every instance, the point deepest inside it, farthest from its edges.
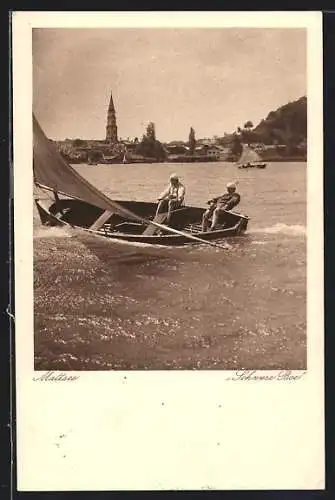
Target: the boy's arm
(164, 194)
(181, 193)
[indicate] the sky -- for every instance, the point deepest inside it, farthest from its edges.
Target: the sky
(211, 79)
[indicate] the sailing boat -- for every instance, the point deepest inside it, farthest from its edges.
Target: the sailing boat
(250, 159)
(77, 203)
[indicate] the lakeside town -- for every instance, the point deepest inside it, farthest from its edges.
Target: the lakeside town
(281, 136)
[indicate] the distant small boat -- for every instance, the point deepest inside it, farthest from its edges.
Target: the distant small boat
(109, 159)
(250, 159)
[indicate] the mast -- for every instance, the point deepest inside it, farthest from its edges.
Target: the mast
(111, 127)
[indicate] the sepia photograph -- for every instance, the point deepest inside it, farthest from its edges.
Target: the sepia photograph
(170, 170)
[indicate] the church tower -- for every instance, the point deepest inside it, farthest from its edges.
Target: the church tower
(111, 128)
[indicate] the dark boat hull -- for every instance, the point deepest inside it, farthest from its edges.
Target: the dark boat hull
(187, 219)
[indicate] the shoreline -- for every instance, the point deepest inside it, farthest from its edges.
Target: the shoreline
(270, 160)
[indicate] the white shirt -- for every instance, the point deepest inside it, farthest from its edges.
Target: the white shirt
(178, 192)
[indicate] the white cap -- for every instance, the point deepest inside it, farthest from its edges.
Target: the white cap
(174, 176)
(231, 185)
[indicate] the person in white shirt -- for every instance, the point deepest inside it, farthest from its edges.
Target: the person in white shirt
(172, 197)
(218, 205)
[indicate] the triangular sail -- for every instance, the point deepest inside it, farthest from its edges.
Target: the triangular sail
(249, 156)
(53, 172)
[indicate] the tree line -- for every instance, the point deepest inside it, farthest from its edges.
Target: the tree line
(285, 126)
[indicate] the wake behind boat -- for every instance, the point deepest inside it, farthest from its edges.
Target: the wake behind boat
(78, 203)
(250, 159)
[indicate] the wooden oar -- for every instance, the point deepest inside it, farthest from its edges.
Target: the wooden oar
(171, 230)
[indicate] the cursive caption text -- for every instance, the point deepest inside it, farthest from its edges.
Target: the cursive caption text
(254, 375)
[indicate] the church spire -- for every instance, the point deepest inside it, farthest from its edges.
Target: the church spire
(111, 128)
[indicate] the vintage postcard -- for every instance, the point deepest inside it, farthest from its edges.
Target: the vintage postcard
(168, 187)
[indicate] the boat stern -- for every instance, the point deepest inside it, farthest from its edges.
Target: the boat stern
(242, 225)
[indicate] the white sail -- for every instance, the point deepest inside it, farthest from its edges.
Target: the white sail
(249, 156)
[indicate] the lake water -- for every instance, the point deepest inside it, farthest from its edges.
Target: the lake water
(106, 305)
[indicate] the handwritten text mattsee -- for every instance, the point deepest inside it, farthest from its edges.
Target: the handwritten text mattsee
(55, 377)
